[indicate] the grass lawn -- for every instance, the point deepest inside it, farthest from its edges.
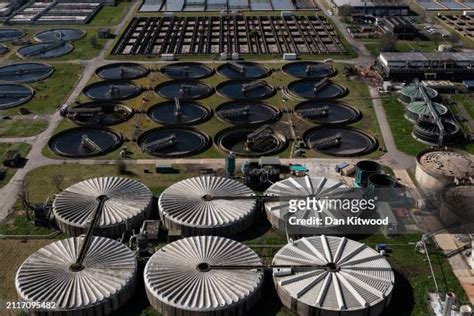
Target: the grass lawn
(467, 101)
(83, 48)
(51, 92)
(19, 127)
(4, 147)
(402, 46)
(109, 15)
(401, 127)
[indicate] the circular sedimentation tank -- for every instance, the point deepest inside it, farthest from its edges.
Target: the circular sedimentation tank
(457, 205)
(12, 95)
(82, 142)
(128, 204)
(364, 169)
(184, 90)
(122, 71)
(419, 109)
(411, 93)
(195, 268)
(279, 213)
(187, 70)
(245, 89)
(381, 186)
(428, 132)
(168, 142)
(340, 141)
(25, 72)
(99, 113)
(105, 283)
(316, 89)
(63, 34)
(309, 70)
(45, 50)
(236, 140)
(179, 113)
(112, 91)
(327, 112)
(247, 112)
(204, 206)
(333, 276)
(11, 35)
(436, 168)
(243, 70)
(3, 49)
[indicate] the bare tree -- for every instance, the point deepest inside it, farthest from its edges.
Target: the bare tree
(57, 180)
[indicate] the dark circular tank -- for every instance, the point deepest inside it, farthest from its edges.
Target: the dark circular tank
(11, 35)
(175, 142)
(82, 142)
(122, 71)
(181, 113)
(183, 90)
(247, 112)
(25, 72)
(327, 112)
(364, 169)
(245, 89)
(99, 113)
(309, 70)
(63, 34)
(243, 70)
(111, 90)
(339, 141)
(428, 132)
(3, 49)
(316, 89)
(187, 70)
(45, 50)
(235, 139)
(12, 95)
(380, 186)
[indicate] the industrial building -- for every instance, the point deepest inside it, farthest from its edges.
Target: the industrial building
(372, 7)
(400, 26)
(204, 275)
(340, 277)
(455, 66)
(445, 5)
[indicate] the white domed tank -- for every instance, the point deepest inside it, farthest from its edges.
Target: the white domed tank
(457, 205)
(200, 275)
(104, 283)
(282, 218)
(128, 204)
(436, 168)
(207, 205)
(332, 276)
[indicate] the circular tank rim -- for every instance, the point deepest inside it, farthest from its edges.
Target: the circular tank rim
(22, 32)
(210, 70)
(43, 77)
(69, 45)
(130, 111)
(429, 150)
(344, 90)
(357, 130)
(284, 68)
(17, 103)
(109, 150)
(237, 128)
(388, 181)
(357, 117)
(273, 92)
(102, 82)
(115, 64)
(277, 116)
(267, 70)
(365, 165)
(184, 81)
(453, 207)
(206, 118)
(83, 34)
(5, 48)
(206, 137)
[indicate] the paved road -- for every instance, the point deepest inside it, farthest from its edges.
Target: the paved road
(9, 193)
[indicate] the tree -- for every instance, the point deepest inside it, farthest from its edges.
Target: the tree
(388, 43)
(345, 10)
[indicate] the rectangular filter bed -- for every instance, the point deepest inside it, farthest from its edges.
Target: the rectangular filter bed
(229, 34)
